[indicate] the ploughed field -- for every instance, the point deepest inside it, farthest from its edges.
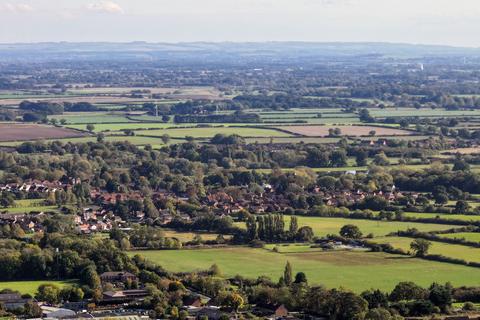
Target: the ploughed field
(355, 270)
(322, 131)
(17, 131)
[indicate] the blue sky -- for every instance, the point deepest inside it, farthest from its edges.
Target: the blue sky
(413, 21)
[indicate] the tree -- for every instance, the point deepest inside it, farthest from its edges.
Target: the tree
(407, 291)
(375, 299)
(441, 296)
(350, 231)
(420, 247)
(90, 127)
(381, 159)
(293, 225)
(165, 138)
(361, 158)
(305, 234)
(461, 207)
(49, 293)
(300, 277)
(287, 274)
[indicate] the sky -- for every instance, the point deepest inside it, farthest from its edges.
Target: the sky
(408, 21)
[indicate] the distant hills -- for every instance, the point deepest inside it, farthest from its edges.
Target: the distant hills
(224, 51)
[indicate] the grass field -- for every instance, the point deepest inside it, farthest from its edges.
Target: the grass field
(352, 270)
(30, 287)
(450, 250)
(188, 236)
(90, 117)
(322, 226)
(469, 236)
(462, 217)
(424, 112)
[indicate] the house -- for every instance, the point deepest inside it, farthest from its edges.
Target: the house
(211, 312)
(12, 301)
(117, 276)
(280, 311)
(124, 296)
(57, 313)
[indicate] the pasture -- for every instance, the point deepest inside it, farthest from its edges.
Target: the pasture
(30, 287)
(466, 253)
(323, 226)
(469, 236)
(323, 131)
(351, 270)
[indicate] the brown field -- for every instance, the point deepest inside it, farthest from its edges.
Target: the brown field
(463, 151)
(322, 131)
(91, 99)
(24, 132)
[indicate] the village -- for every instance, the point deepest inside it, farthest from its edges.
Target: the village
(98, 215)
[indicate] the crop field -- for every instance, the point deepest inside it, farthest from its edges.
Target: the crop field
(292, 140)
(16, 131)
(323, 226)
(466, 253)
(30, 287)
(322, 131)
(333, 269)
(211, 131)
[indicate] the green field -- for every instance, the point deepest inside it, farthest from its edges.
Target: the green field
(469, 236)
(90, 117)
(424, 215)
(188, 236)
(136, 140)
(28, 205)
(352, 270)
(424, 112)
(466, 253)
(322, 226)
(30, 287)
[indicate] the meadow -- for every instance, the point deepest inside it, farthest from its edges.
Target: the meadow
(348, 269)
(323, 226)
(466, 253)
(30, 287)
(469, 236)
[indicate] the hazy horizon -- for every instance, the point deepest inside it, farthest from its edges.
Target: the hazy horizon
(438, 22)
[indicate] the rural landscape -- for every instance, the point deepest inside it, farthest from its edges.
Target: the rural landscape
(269, 180)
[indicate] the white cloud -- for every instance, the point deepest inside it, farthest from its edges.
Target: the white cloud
(105, 7)
(15, 7)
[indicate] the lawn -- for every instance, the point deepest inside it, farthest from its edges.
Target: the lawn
(449, 250)
(352, 270)
(322, 226)
(30, 287)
